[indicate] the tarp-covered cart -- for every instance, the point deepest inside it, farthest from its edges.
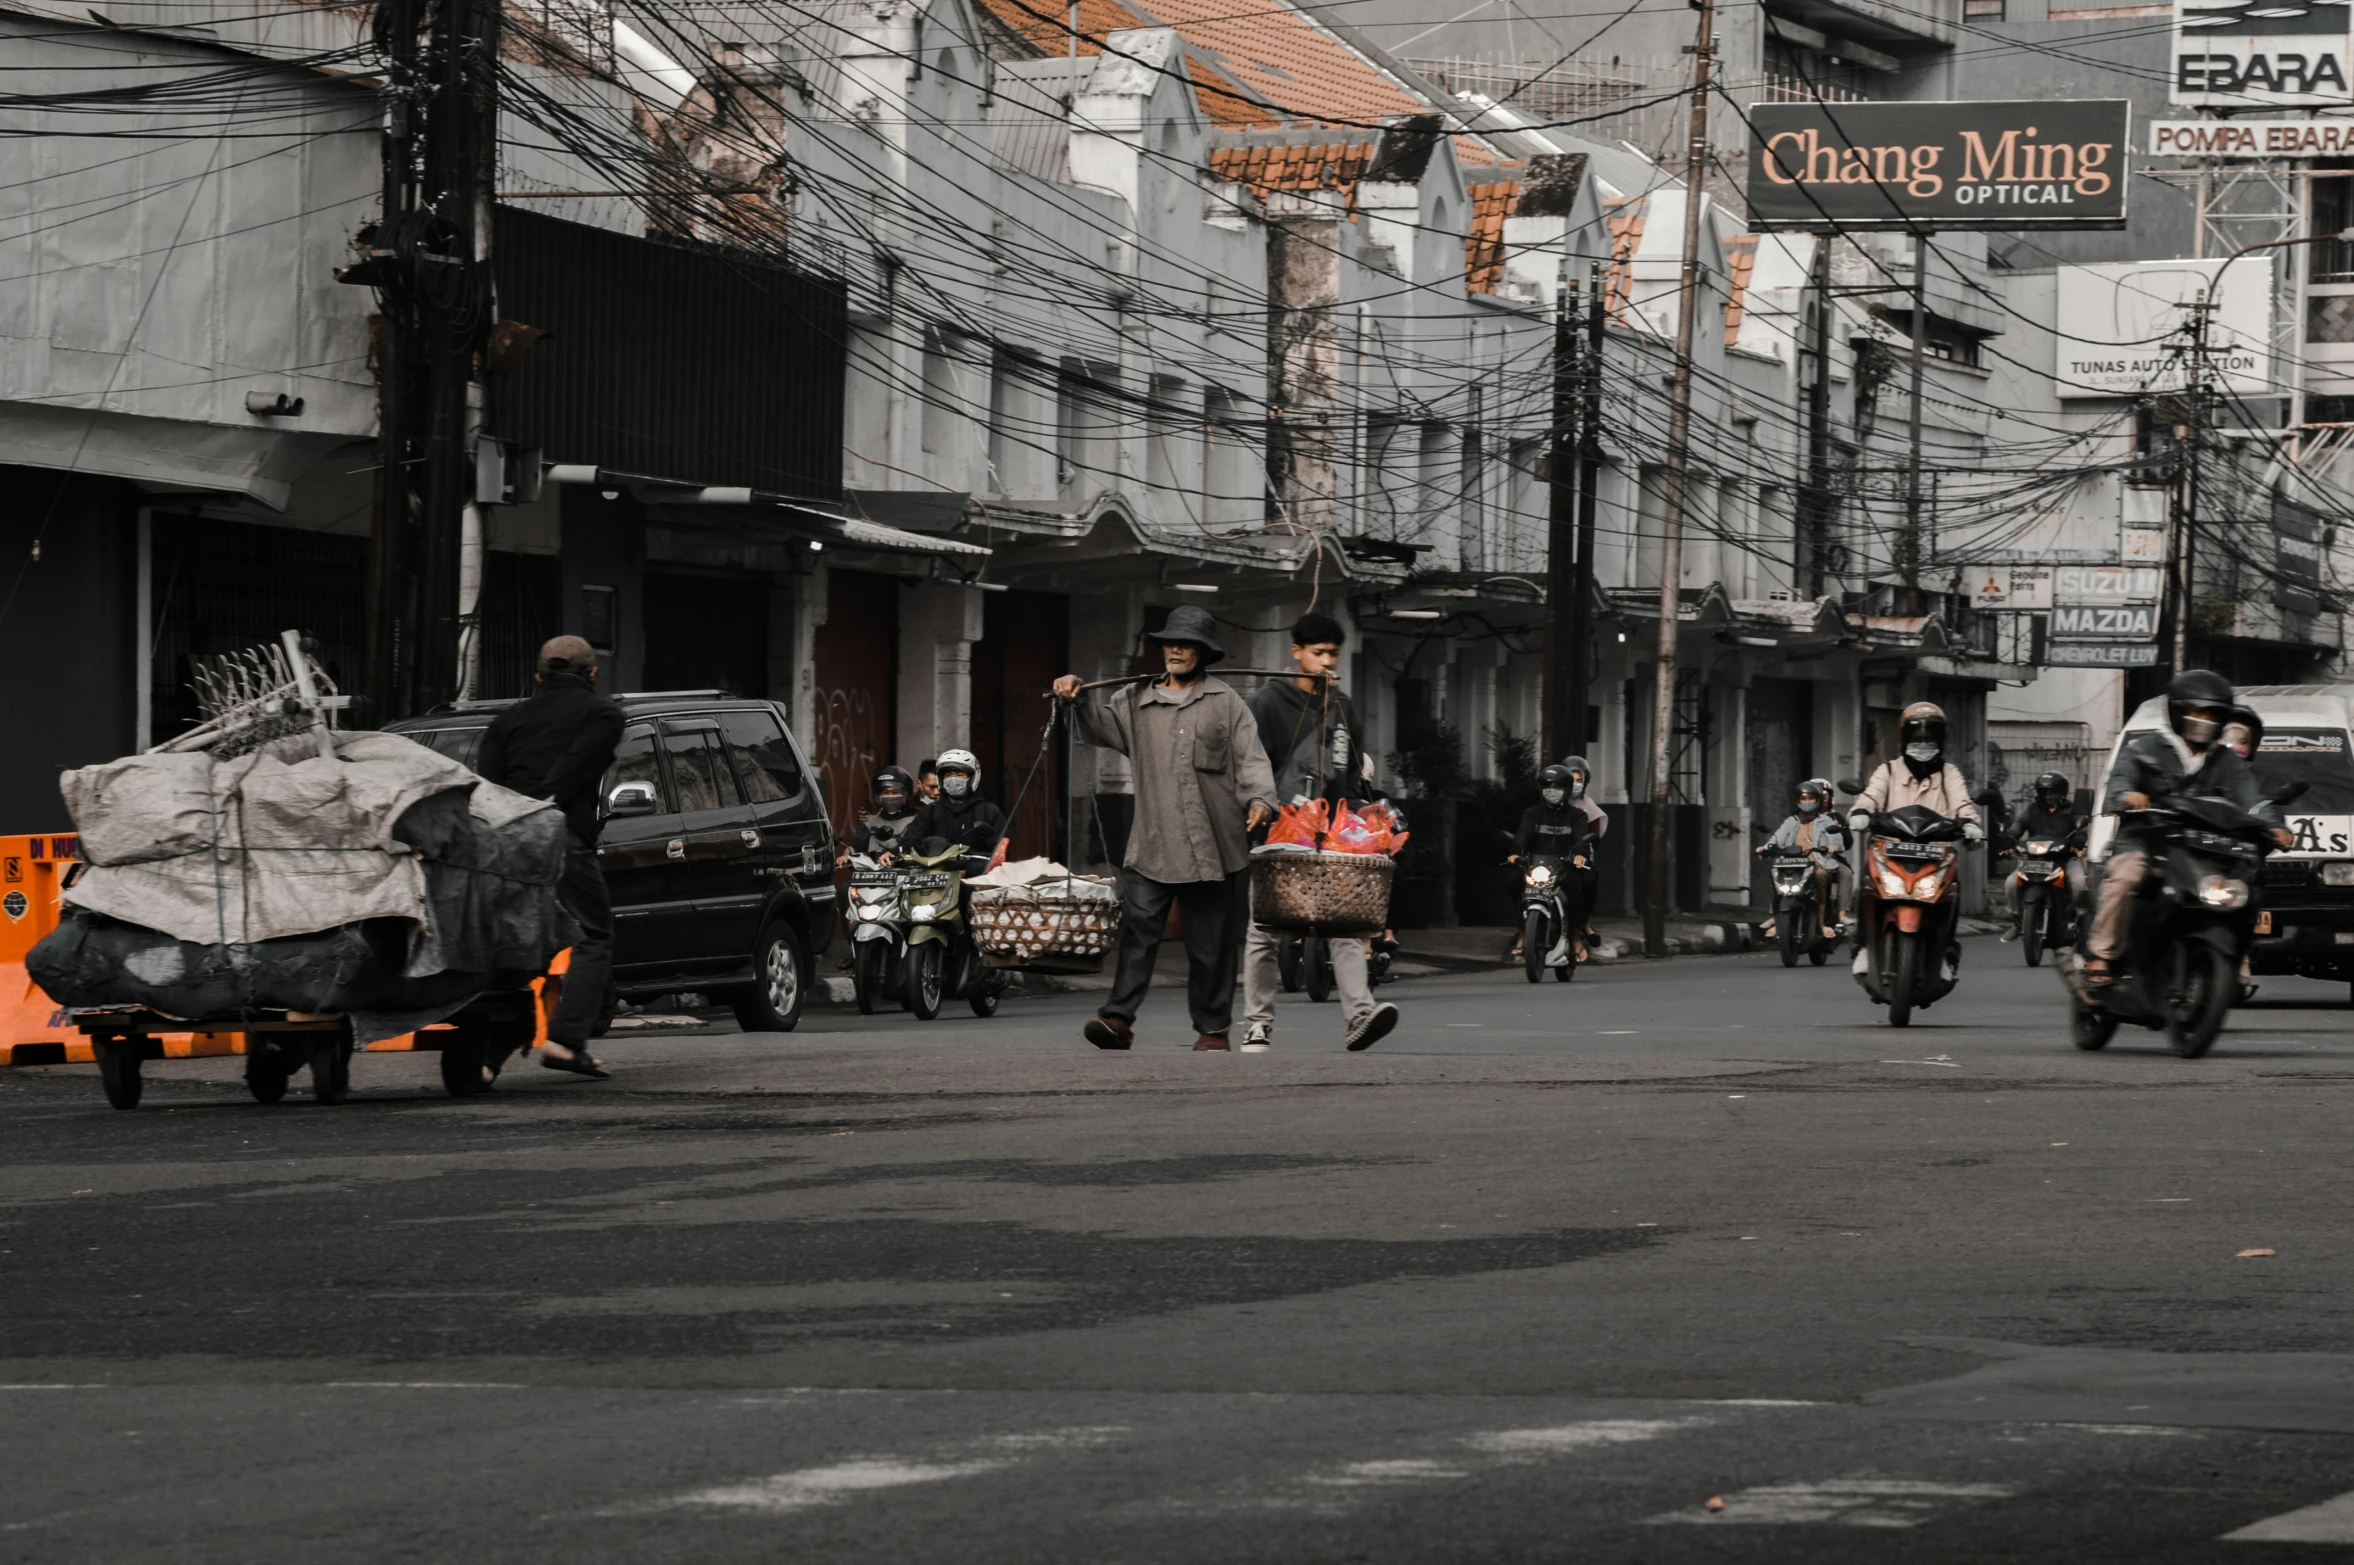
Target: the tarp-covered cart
(314, 890)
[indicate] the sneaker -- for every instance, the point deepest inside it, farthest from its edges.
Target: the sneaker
(1372, 1027)
(1108, 1032)
(1862, 962)
(1259, 1039)
(2008, 937)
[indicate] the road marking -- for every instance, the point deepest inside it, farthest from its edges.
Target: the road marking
(1553, 1439)
(427, 1385)
(1945, 1060)
(1619, 1032)
(37, 1385)
(805, 1488)
(2332, 1521)
(1839, 1502)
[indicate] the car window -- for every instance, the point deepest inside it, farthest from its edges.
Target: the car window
(459, 744)
(699, 768)
(636, 761)
(2316, 757)
(765, 763)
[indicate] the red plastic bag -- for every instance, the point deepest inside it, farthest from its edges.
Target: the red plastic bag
(1299, 824)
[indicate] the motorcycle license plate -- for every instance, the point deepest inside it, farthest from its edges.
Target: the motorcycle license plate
(2035, 866)
(873, 877)
(930, 882)
(1917, 850)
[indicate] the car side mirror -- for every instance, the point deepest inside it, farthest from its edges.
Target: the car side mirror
(632, 798)
(2288, 793)
(1850, 785)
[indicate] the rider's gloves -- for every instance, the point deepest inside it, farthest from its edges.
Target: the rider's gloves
(1973, 832)
(1859, 823)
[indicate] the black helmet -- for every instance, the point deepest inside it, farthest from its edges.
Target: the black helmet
(892, 779)
(2053, 790)
(1580, 774)
(2198, 691)
(1815, 788)
(1558, 777)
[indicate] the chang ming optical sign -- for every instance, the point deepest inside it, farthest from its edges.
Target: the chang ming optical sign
(1864, 166)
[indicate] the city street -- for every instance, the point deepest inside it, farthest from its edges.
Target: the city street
(1549, 1274)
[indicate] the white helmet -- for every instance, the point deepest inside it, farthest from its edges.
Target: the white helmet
(960, 761)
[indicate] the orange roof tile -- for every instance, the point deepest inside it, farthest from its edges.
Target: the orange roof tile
(1626, 237)
(1332, 165)
(1255, 67)
(1741, 256)
(1483, 239)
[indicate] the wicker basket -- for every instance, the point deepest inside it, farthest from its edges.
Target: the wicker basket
(1058, 926)
(1331, 893)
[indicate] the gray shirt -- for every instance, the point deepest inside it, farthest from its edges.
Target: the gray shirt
(1199, 767)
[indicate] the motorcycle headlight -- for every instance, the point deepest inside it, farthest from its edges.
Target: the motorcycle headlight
(923, 912)
(1540, 875)
(1892, 884)
(2040, 850)
(2218, 892)
(870, 911)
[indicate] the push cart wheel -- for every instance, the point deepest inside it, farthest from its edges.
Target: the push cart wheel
(266, 1073)
(118, 1070)
(330, 1068)
(983, 990)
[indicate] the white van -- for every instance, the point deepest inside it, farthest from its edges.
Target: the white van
(2306, 925)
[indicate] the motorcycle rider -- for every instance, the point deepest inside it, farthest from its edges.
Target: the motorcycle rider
(1581, 777)
(1921, 775)
(960, 814)
(2183, 757)
(2050, 816)
(1556, 827)
(885, 830)
(1815, 832)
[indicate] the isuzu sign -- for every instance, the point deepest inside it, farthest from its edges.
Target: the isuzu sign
(2260, 52)
(1863, 166)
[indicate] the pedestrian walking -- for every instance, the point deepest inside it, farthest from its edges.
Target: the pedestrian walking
(1202, 784)
(1312, 739)
(556, 746)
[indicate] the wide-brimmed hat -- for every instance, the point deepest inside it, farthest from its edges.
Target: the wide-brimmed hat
(1188, 623)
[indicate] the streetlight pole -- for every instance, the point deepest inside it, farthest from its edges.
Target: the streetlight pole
(1671, 529)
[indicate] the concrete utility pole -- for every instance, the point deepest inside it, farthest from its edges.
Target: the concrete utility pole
(1671, 531)
(1814, 547)
(2186, 480)
(1565, 692)
(1581, 585)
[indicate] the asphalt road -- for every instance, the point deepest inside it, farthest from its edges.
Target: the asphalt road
(1536, 1279)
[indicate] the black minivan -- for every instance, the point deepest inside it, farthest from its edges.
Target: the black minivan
(715, 847)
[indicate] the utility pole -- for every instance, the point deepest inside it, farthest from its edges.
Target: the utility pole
(1581, 586)
(1908, 543)
(398, 352)
(1814, 530)
(2186, 481)
(1671, 532)
(1564, 654)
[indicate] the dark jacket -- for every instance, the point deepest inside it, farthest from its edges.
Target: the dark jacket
(1554, 833)
(555, 746)
(883, 833)
(975, 822)
(2154, 764)
(1311, 739)
(2037, 824)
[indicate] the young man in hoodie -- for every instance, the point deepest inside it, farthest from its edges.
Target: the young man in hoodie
(1312, 739)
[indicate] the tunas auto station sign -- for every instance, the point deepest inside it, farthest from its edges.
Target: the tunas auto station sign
(1996, 165)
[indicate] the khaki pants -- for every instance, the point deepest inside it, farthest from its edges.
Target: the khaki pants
(1260, 980)
(2114, 913)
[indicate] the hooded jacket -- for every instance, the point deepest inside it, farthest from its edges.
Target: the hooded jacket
(1311, 738)
(971, 820)
(2161, 765)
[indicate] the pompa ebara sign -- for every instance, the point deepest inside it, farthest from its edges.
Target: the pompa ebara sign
(1949, 166)
(2273, 53)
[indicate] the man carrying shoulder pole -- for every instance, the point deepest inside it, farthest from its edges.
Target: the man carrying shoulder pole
(1202, 784)
(1311, 733)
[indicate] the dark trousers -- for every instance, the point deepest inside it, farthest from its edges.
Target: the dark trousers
(1216, 915)
(582, 891)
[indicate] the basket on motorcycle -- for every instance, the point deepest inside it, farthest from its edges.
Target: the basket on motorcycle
(1331, 893)
(1059, 925)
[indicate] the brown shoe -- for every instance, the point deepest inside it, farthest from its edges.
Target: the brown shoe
(1108, 1032)
(1210, 1042)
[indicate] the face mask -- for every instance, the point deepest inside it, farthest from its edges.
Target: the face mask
(1554, 795)
(954, 787)
(1924, 753)
(2200, 731)
(1577, 789)
(1809, 806)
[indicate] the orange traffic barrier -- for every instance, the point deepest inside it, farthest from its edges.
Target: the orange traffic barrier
(36, 1030)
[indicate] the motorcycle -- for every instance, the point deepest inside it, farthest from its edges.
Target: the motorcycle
(2047, 915)
(2191, 924)
(1546, 917)
(1909, 910)
(942, 961)
(1798, 914)
(878, 932)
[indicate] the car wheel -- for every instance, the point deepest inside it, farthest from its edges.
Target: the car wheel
(772, 1001)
